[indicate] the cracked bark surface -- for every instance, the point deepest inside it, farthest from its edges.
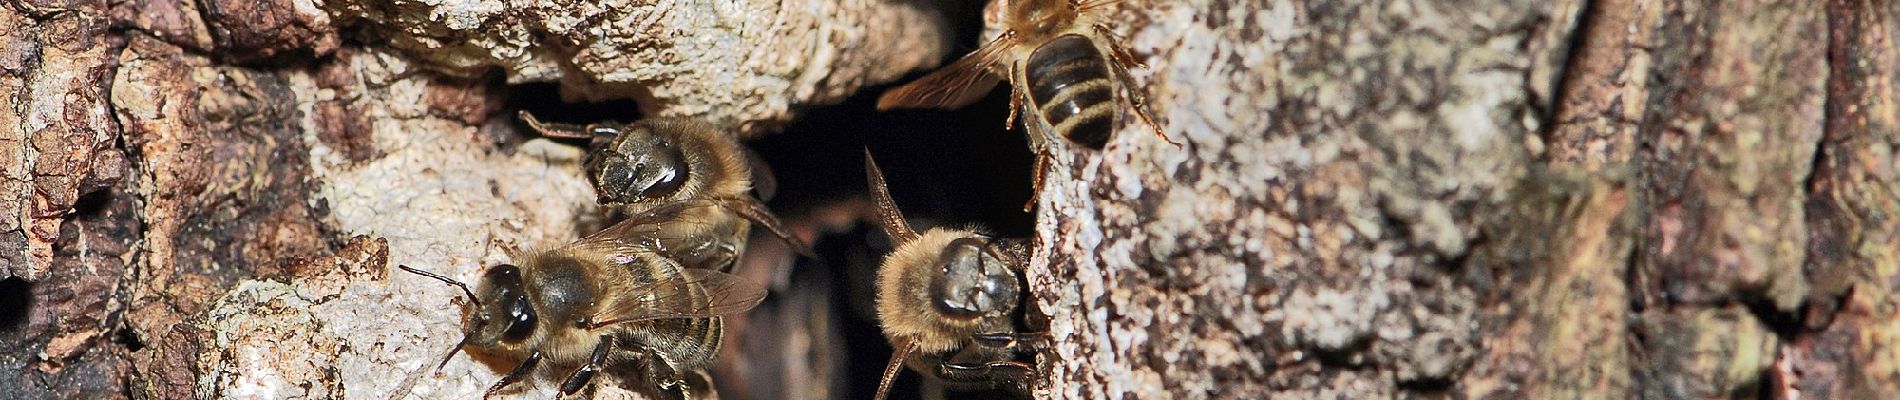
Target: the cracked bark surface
(1486, 199)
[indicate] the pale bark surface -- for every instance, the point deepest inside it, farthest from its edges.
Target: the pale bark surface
(741, 64)
(1483, 199)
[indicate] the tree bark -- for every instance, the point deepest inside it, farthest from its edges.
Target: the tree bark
(1486, 199)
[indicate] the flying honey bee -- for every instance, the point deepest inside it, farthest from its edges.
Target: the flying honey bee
(954, 300)
(657, 161)
(603, 300)
(1064, 65)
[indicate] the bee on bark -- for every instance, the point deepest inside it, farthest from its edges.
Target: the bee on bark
(658, 161)
(1066, 69)
(952, 303)
(607, 299)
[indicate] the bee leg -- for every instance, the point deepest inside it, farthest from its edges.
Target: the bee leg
(1035, 186)
(1033, 340)
(754, 210)
(553, 129)
(667, 382)
(1015, 105)
(993, 371)
(1120, 62)
(520, 372)
(1122, 54)
(581, 376)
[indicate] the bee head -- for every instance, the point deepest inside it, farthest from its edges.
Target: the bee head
(637, 165)
(503, 313)
(974, 282)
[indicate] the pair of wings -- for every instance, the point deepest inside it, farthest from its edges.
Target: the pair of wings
(691, 293)
(969, 78)
(955, 85)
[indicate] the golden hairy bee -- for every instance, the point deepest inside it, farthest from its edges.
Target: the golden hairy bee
(952, 302)
(658, 161)
(1066, 68)
(607, 299)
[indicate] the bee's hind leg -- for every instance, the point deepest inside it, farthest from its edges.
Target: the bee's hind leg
(1120, 60)
(1035, 186)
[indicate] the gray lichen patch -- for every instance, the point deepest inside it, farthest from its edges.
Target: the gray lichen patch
(1336, 163)
(447, 201)
(440, 196)
(265, 326)
(769, 58)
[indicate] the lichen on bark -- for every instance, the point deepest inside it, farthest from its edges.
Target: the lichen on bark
(1337, 162)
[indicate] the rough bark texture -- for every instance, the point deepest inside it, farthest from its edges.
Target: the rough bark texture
(1478, 199)
(222, 258)
(767, 57)
(1391, 203)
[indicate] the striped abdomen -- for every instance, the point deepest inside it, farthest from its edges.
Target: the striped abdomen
(1070, 86)
(688, 343)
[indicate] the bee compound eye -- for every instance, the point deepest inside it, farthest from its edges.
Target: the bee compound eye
(521, 320)
(665, 171)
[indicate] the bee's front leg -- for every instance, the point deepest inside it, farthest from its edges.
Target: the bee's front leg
(520, 372)
(581, 376)
(995, 373)
(1011, 340)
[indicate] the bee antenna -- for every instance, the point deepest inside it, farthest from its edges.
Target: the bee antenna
(901, 354)
(887, 213)
(551, 129)
(444, 279)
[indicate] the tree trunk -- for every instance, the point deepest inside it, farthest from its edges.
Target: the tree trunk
(1619, 198)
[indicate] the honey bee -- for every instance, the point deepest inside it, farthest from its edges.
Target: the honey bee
(658, 161)
(606, 299)
(1064, 65)
(954, 300)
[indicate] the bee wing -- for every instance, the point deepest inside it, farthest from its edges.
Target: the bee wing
(887, 213)
(693, 293)
(953, 86)
(651, 230)
(647, 231)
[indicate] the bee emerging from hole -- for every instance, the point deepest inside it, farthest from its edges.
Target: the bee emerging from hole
(1066, 68)
(606, 299)
(955, 301)
(658, 161)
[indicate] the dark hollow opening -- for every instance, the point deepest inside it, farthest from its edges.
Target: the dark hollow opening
(16, 301)
(543, 99)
